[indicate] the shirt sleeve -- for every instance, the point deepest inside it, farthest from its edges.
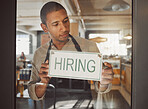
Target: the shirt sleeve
(32, 83)
(34, 78)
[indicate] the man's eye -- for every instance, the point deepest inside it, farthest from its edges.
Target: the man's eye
(65, 21)
(56, 24)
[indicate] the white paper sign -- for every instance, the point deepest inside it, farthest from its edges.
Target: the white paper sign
(75, 65)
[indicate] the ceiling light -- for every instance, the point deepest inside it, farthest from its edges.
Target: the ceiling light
(128, 37)
(98, 39)
(116, 5)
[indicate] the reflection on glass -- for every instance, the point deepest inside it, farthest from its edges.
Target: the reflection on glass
(88, 20)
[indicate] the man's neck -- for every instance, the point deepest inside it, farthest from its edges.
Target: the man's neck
(59, 45)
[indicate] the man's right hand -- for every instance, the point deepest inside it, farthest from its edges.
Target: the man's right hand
(43, 74)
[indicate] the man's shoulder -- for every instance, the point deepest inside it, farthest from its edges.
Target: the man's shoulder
(87, 45)
(80, 39)
(41, 49)
(39, 54)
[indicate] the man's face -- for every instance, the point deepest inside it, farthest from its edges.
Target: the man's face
(58, 25)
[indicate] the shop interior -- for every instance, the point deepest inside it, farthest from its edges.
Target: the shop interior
(106, 22)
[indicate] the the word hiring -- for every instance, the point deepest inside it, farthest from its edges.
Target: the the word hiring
(69, 64)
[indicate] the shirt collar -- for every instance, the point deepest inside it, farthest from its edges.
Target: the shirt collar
(69, 40)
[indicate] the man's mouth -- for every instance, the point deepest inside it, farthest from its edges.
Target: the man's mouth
(64, 35)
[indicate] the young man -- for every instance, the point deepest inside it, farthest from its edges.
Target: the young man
(55, 22)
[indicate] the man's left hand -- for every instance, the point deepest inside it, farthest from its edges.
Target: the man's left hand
(107, 75)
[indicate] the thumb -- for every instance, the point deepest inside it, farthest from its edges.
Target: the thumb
(47, 61)
(107, 64)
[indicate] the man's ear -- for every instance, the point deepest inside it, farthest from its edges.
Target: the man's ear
(44, 27)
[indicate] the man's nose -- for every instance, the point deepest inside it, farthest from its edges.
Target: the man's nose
(63, 27)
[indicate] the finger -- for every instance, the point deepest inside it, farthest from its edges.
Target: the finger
(106, 81)
(107, 64)
(44, 65)
(105, 76)
(107, 71)
(41, 75)
(45, 80)
(43, 70)
(44, 73)
(47, 61)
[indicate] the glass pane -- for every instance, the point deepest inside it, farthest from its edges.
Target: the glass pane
(103, 26)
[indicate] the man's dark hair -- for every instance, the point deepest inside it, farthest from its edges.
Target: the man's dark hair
(49, 7)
